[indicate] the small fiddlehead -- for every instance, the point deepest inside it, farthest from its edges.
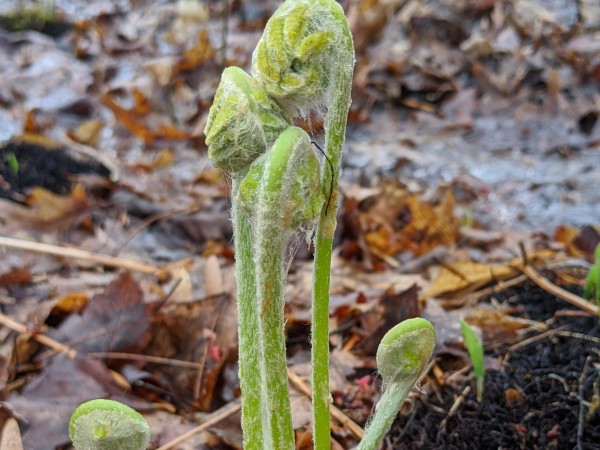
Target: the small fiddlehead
(242, 124)
(305, 196)
(108, 425)
(298, 56)
(402, 355)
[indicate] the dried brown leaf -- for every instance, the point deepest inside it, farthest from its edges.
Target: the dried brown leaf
(46, 402)
(462, 275)
(117, 319)
(194, 57)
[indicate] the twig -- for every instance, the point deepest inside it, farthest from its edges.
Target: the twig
(457, 402)
(201, 365)
(41, 338)
(145, 358)
(526, 342)
(75, 253)
(139, 227)
(217, 416)
(338, 415)
(559, 292)
(91, 152)
(474, 297)
(581, 415)
(575, 335)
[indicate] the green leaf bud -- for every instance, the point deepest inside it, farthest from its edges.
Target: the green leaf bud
(304, 44)
(304, 197)
(243, 121)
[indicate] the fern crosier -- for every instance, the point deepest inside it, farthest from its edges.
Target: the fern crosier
(298, 56)
(243, 122)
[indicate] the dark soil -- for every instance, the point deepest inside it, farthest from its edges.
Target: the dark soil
(542, 398)
(25, 165)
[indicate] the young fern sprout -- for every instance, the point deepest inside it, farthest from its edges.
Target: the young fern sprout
(402, 355)
(108, 425)
(243, 122)
(303, 62)
(276, 191)
(281, 207)
(305, 59)
(242, 125)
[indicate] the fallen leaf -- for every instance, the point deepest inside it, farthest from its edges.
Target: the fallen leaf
(52, 211)
(127, 119)
(117, 320)
(18, 276)
(497, 327)
(165, 131)
(73, 302)
(87, 132)
(47, 401)
(195, 56)
(462, 275)
(186, 331)
(392, 309)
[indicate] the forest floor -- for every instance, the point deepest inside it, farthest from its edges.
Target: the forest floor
(469, 191)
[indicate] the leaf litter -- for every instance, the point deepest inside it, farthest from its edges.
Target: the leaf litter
(471, 156)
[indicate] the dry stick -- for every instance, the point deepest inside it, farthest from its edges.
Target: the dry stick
(553, 289)
(75, 253)
(581, 414)
(72, 353)
(42, 339)
(217, 416)
(228, 410)
(453, 409)
(145, 358)
(526, 342)
(342, 418)
(200, 371)
(574, 335)
(499, 287)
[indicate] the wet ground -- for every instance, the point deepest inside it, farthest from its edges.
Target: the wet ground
(545, 393)
(533, 174)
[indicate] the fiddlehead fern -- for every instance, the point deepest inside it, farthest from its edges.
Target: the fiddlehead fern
(242, 124)
(108, 425)
(305, 60)
(243, 121)
(304, 47)
(280, 184)
(276, 190)
(402, 355)
(306, 197)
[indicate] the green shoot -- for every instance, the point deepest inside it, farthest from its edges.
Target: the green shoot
(475, 350)
(13, 163)
(402, 355)
(591, 290)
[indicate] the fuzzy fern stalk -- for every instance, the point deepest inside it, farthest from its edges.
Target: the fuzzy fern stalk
(303, 63)
(108, 425)
(305, 60)
(402, 355)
